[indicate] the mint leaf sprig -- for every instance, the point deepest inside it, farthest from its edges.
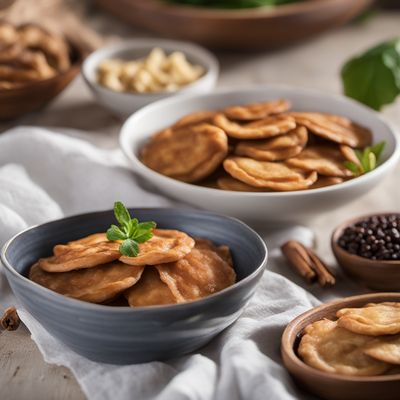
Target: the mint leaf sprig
(368, 159)
(373, 78)
(130, 231)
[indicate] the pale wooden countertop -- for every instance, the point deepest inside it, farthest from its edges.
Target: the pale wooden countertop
(315, 64)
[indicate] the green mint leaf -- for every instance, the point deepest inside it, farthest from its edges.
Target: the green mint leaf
(372, 161)
(373, 78)
(114, 233)
(377, 149)
(129, 248)
(353, 167)
(147, 225)
(132, 227)
(144, 237)
(131, 231)
(121, 214)
(365, 160)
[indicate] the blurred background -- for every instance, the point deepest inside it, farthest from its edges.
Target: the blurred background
(303, 43)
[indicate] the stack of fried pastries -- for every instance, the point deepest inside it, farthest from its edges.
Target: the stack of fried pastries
(257, 147)
(361, 342)
(170, 268)
(30, 53)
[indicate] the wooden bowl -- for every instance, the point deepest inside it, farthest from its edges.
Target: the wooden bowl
(35, 95)
(248, 29)
(331, 386)
(375, 274)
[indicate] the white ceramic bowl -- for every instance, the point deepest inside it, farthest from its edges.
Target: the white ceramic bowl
(124, 104)
(260, 207)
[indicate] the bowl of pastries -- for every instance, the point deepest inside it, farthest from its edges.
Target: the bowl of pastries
(271, 153)
(35, 66)
(348, 349)
(129, 75)
(161, 284)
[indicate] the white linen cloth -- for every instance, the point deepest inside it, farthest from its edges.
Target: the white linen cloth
(45, 175)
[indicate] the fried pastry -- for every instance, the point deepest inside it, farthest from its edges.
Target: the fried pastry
(164, 247)
(266, 128)
(18, 74)
(334, 128)
(229, 183)
(324, 181)
(325, 159)
(349, 154)
(201, 273)
(150, 290)
(9, 52)
(86, 241)
(8, 34)
(372, 319)
(223, 251)
(195, 118)
(254, 111)
(52, 46)
(188, 154)
(270, 175)
(80, 257)
(95, 285)
(330, 348)
(274, 149)
(385, 349)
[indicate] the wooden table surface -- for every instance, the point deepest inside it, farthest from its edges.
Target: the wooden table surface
(315, 64)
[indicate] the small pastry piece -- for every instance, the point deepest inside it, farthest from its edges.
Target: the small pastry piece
(330, 348)
(334, 128)
(96, 285)
(202, 272)
(189, 154)
(372, 319)
(164, 247)
(325, 159)
(265, 128)
(253, 111)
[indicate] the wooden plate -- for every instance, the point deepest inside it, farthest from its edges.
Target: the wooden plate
(334, 386)
(251, 29)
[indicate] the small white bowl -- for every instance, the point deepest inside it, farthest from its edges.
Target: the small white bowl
(260, 207)
(124, 104)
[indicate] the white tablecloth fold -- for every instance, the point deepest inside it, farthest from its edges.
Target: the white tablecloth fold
(45, 175)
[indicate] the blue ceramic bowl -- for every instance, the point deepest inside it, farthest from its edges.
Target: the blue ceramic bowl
(123, 335)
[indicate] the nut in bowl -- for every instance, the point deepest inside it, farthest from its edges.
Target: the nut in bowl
(266, 155)
(129, 75)
(335, 357)
(146, 317)
(368, 249)
(35, 65)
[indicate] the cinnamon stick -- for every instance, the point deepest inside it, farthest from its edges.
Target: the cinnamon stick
(298, 260)
(307, 264)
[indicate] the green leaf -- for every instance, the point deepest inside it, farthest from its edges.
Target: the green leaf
(373, 78)
(114, 233)
(372, 161)
(131, 231)
(121, 214)
(365, 160)
(132, 227)
(353, 167)
(147, 225)
(377, 149)
(129, 248)
(144, 237)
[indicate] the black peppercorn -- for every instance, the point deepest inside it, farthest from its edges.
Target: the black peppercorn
(376, 238)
